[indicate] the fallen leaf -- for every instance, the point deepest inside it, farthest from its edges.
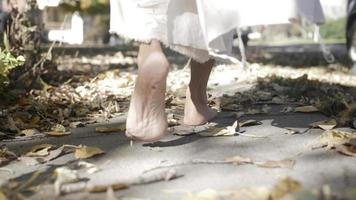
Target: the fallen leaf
(334, 138)
(40, 150)
(36, 158)
(286, 163)
(325, 124)
(284, 187)
(82, 152)
(58, 128)
(29, 132)
(104, 129)
(53, 154)
(306, 109)
(250, 122)
(239, 160)
(217, 131)
(346, 149)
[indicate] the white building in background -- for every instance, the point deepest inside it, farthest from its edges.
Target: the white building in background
(47, 3)
(72, 35)
(334, 9)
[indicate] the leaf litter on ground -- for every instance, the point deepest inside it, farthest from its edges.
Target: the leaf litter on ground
(324, 124)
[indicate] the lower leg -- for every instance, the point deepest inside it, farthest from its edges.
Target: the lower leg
(146, 118)
(197, 111)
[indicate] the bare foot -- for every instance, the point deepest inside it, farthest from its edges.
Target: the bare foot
(197, 111)
(146, 120)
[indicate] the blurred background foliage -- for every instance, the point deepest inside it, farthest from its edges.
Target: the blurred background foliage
(334, 29)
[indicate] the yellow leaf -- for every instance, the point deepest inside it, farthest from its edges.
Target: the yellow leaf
(306, 109)
(284, 187)
(29, 132)
(83, 152)
(58, 128)
(333, 138)
(325, 124)
(2, 196)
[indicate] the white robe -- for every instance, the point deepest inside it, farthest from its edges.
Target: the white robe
(202, 28)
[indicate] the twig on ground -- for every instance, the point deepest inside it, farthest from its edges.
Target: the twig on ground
(164, 175)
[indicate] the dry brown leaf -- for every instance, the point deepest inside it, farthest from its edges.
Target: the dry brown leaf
(346, 149)
(104, 129)
(52, 154)
(306, 109)
(56, 153)
(40, 150)
(325, 124)
(284, 187)
(286, 163)
(334, 138)
(239, 160)
(29, 132)
(250, 122)
(82, 152)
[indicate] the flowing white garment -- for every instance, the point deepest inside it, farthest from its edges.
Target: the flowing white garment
(201, 28)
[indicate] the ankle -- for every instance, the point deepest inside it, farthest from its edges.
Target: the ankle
(196, 94)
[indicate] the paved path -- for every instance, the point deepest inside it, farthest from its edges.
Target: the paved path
(121, 162)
